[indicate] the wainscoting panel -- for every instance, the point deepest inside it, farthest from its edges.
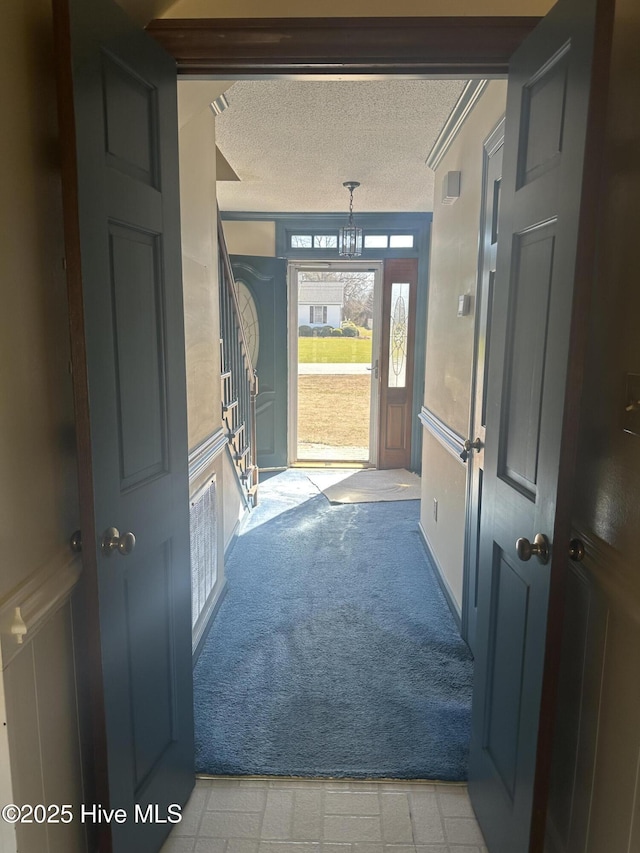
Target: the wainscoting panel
(38, 674)
(208, 492)
(203, 516)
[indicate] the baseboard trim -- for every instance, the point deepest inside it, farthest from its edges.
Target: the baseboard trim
(27, 609)
(200, 637)
(444, 585)
(228, 548)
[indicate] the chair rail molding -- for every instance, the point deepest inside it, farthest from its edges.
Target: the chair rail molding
(449, 439)
(25, 610)
(202, 456)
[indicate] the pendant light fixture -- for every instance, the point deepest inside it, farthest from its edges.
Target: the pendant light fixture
(350, 236)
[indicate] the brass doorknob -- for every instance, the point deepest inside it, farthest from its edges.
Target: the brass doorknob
(468, 446)
(540, 548)
(113, 541)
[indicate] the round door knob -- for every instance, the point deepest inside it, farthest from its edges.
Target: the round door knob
(113, 541)
(468, 446)
(540, 548)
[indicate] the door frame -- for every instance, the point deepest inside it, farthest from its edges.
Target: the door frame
(298, 48)
(293, 268)
(235, 48)
(464, 47)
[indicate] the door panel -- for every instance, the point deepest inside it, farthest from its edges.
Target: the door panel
(546, 121)
(266, 280)
(528, 323)
(122, 232)
(397, 345)
(136, 285)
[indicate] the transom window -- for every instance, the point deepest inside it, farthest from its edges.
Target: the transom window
(371, 241)
(314, 241)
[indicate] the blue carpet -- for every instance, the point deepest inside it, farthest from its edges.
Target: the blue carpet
(334, 652)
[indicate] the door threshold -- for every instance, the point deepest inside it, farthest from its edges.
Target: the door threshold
(339, 463)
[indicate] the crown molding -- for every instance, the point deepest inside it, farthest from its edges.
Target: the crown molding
(459, 114)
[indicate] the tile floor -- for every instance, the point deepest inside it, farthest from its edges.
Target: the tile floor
(321, 816)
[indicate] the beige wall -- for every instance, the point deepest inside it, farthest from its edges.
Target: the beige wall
(454, 266)
(444, 480)
(144, 11)
(38, 497)
(251, 238)
(357, 8)
(200, 260)
(449, 356)
(38, 493)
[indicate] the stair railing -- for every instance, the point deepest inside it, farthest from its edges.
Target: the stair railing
(239, 379)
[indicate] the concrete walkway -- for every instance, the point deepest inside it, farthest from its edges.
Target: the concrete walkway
(322, 369)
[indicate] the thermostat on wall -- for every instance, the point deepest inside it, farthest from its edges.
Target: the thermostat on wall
(464, 304)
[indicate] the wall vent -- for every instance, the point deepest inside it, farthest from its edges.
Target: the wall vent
(203, 520)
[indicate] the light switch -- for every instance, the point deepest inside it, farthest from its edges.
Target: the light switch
(464, 304)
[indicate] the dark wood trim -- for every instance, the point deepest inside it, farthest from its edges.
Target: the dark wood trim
(88, 647)
(232, 47)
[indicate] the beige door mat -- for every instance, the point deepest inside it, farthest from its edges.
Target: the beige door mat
(367, 486)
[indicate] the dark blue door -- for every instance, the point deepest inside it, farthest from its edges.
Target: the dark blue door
(118, 121)
(265, 279)
(540, 220)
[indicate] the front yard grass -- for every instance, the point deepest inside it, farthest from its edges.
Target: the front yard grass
(334, 350)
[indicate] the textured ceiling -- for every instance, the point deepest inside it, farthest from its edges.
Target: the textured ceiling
(294, 143)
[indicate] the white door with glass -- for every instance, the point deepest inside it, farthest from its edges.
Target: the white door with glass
(334, 331)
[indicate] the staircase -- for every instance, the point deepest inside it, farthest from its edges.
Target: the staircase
(239, 380)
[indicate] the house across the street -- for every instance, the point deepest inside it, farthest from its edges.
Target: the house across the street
(320, 303)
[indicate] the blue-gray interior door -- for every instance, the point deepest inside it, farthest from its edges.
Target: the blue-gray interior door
(540, 210)
(266, 279)
(492, 177)
(124, 98)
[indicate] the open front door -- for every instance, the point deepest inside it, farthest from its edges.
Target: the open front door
(542, 215)
(118, 124)
(262, 292)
